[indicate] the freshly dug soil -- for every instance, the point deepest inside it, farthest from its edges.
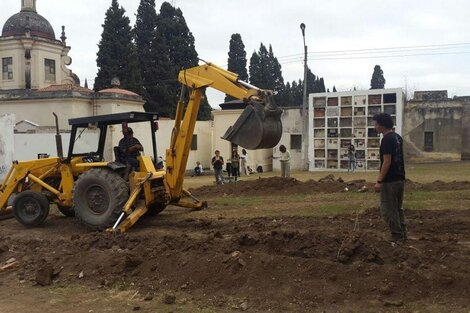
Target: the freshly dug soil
(336, 263)
(328, 184)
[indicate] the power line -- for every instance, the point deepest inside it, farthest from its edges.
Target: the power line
(383, 50)
(380, 52)
(374, 57)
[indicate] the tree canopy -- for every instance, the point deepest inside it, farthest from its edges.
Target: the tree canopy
(117, 55)
(171, 27)
(237, 59)
(155, 66)
(378, 80)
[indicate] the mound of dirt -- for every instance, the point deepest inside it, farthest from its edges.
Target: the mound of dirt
(328, 184)
(279, 185)
(439, 185)
(291, 264)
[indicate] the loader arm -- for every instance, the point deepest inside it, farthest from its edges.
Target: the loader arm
(258, 127)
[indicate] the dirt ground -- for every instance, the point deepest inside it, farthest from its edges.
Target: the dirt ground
(198, 263)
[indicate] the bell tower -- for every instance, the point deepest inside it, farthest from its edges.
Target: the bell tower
(28, 5)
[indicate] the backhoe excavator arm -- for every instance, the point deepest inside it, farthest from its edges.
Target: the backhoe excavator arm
(258, 126)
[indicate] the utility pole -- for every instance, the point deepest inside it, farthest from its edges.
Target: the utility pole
(304, 109)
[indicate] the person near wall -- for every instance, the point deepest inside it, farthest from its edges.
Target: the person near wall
(244, 163)
(391, 179)
(217, 163)
(285, 161)
(235, 165)
(351, 158)
(228, 167)
(198, 169)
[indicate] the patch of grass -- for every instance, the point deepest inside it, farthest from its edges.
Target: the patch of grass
(419, 172)
(319, 204)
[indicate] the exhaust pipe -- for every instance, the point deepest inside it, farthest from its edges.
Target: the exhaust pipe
(58, 138)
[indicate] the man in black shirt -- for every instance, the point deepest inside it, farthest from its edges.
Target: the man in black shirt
(217, 163)
(391, 180)
(130, 148)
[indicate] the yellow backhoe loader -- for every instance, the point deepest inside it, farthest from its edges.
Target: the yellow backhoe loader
(113, 195)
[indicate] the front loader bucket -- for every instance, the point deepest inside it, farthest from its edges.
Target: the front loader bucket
(258, 127)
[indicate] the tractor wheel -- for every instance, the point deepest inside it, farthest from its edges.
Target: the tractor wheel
(155, 208)
(67, 211)
(99, 197)
(31, 208)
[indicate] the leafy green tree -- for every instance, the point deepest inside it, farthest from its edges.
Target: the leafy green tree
(266, 72)
(378, 80)
(172, 28)
(154, 61)
(257, 71)
(314, 85)
(237, 60)
(320, 85)
(117, 55)
(334, 89)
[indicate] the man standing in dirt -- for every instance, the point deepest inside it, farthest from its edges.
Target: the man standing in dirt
(217, 163)
(391, 179)
(285, 161)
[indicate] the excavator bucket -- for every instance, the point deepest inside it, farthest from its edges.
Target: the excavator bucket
(258, 127)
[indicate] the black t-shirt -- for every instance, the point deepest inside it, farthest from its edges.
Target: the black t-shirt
(217, 163)
(126, 143)
(392, 144)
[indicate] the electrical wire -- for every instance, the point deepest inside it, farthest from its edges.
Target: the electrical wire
(382, 50)
(374, 57)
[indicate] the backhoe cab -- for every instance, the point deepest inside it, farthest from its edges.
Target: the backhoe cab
(112, 195)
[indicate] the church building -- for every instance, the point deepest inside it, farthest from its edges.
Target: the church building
(36, 79)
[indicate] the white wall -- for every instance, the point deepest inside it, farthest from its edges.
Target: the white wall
(39, 111)
(28, 146)
(7, 124)
(203, 130)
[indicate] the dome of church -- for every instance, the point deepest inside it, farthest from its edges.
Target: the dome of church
(20, 22)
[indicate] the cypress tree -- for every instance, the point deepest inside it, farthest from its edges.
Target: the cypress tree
(378, 80)
(257, 69)
(265, 72)
(172, 28)
(237, 59)
(274, 67)
(117, 56)
(321, 85)
(155, 66)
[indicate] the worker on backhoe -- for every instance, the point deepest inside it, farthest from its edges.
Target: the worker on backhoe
(130, 148)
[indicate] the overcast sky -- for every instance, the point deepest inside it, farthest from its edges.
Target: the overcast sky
(331, 26)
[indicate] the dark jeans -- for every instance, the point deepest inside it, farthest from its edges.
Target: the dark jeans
(219, 179)
(391, 207)
(235, 172)
(134, 163)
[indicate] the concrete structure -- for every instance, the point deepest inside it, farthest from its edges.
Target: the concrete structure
(465, 101)
(35, 79)
(291, 138)
(339, 119)
(29, 143)
(433, 127)
(7, 123)
(201, 145)
(31, 56)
